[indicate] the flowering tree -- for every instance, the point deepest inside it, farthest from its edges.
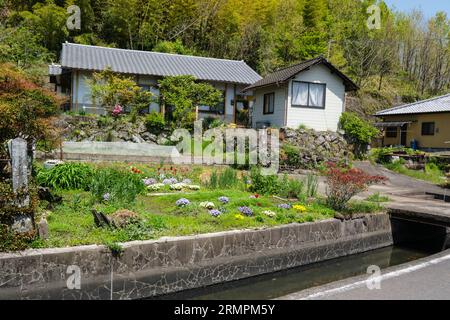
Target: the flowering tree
(344, 183)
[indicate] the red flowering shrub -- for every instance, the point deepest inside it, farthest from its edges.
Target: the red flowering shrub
(344, 183)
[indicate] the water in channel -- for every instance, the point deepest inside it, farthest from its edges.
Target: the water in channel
(281, 283)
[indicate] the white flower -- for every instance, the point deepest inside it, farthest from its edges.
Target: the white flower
(193, 187)
(155, 187)
(207, 205)
(177, 186)
(269, 213)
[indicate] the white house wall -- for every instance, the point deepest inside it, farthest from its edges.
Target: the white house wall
(277, 119)
(319, 119)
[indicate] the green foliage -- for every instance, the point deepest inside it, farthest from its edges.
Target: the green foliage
(225, 179)
(377, 197)
(291, 188)
(183, 94)
(432, 173)
(290, 155)
(122, 186)
(26, 109)
(312, 185)
(263, 184)
(155, 122)
(10, 241)
(176, 47)
(67, 176)
(109, 89)
(358, 129)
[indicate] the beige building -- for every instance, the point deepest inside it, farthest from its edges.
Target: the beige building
(424, 123)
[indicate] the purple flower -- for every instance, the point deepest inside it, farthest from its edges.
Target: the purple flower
(246, 211)
(224, 200)
(187, 181)
(286, 206)
(107, 196)
(170, 181)
(182, 202)
(149, 181)
(215, 213)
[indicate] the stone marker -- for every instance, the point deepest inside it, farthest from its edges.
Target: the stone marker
(18, 149)
(43, 229)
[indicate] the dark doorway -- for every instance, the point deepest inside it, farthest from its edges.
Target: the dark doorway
(403, 132)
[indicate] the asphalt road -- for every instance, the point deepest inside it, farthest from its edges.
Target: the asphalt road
(424, 279)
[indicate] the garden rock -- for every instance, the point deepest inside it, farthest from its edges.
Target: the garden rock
(123, 218)
(22, 224)
(313, 148)
(43, 229)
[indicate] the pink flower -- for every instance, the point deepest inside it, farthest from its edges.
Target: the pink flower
(117, 110)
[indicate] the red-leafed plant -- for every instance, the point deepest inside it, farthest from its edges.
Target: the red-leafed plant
(344, 183)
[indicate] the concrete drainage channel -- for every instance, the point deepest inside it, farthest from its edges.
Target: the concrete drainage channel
(148, 269)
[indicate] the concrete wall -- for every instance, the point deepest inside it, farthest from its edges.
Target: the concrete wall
(414, 131)
(149, 268)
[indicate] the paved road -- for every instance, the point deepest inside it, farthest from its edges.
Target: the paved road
(424, 279)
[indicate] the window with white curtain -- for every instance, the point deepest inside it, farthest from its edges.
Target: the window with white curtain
(308, 94)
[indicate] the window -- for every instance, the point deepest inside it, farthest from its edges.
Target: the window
(310, 95)
(269, 103)
(428, 128)
(217, 109)
(391, 132)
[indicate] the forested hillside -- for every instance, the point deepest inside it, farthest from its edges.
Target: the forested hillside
(406, 59)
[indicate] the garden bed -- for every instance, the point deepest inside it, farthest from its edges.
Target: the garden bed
(176, 201)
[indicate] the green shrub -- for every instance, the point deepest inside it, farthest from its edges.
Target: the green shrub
(264, 184)
(121, 186)
(226, 179)
(312, 185)
(155, 122)
(67, 176)
(290, 155)
(290, 188)
(359, 131)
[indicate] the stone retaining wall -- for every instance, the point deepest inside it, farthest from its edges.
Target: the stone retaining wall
(149, 268)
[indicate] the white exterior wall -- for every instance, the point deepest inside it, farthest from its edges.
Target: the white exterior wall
(277, 119)
(319, 119)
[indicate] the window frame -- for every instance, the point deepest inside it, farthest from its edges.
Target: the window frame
(390, 133)
(308, 104)
(266, 96)
(428, 133)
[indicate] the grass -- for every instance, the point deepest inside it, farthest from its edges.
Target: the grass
(431, 173)
(378, 198)
(72, 223)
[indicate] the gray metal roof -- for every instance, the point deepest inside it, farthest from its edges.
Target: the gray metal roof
(392, 124)
(283, 75)
(84, 57)
(437, 104)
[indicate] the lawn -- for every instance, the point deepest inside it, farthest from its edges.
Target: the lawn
(219, 200)
(431, 173)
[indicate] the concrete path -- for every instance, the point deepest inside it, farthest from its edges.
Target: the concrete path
(423, 279)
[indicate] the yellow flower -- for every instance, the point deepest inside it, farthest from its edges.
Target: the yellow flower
(239, 216)
(299, 208)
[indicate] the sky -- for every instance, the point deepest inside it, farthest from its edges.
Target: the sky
(429, 7)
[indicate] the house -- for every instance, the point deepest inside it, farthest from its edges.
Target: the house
(311, 93)
(79, 62)
(426, 122)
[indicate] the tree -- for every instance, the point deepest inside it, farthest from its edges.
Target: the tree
(110, 89)
(26, 109)
(48, 22)
(183, 94)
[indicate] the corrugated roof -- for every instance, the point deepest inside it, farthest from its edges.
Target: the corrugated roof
(437, 104)
(95, 58)
(283, 75)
